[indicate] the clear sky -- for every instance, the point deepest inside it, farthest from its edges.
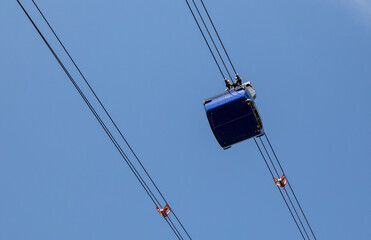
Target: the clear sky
(61, 177)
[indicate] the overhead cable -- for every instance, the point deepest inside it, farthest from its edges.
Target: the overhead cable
(212, 39)
(220, 40)
(292, 215)
(297, 201)
(203, 35)
(284, 189)
(107, 113)
(116, 144)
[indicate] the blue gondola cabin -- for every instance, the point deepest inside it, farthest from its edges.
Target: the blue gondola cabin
(233, 116)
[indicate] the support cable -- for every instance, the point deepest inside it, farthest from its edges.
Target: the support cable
(90, 106)
(293, 206)
(171, 222)
(270, 145)
(118, 147)
(203, 35)
(292, 215)
(95, 95)
(181, 225)
(175, 232)
(109, 116)
(220, 40)
(212, 40)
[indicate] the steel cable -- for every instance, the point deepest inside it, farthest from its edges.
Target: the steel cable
(292, 215)
(270, 159)
(118, 147)
(107, 113)
(89, 104)
(220, 40)
(175, 231)
(95, 95)
(212, 40)
(203, 35)
(288, 182)
(169, 219)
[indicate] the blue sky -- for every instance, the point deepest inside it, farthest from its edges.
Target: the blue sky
(61, 178)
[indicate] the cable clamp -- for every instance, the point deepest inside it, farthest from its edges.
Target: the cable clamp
(165, 211)
(280, 182)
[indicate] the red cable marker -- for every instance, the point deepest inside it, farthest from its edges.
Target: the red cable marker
(281, 182)
(164, 211)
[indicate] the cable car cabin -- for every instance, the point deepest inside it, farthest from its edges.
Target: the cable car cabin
(233, 116)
